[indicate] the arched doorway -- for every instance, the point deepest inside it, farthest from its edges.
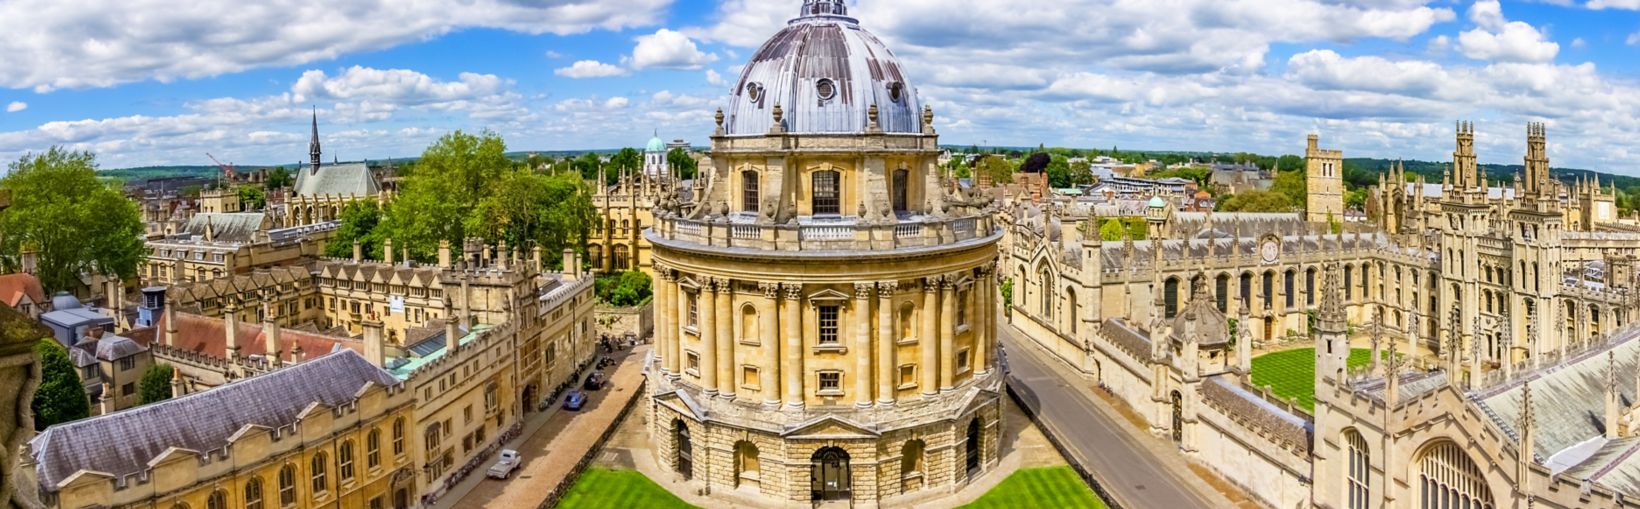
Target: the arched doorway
(1448, 478)
(829, 474)
(401, 499)
(973, 445)
(686, 453)
(1178, 418)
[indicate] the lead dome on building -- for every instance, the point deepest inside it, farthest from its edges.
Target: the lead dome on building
(825, 73)
(825, 293)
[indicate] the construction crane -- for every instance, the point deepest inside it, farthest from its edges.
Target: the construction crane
(228, 173)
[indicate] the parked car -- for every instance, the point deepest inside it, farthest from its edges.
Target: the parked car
(575, 400)
(594, 381)
(505, 464)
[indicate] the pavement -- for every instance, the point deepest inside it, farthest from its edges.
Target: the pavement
(552, 443)
(1141, 471)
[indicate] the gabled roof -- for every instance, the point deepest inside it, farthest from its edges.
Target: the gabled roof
(13, 287)
(123, 443)
(206, 335)
(347, 179)
(239, 227)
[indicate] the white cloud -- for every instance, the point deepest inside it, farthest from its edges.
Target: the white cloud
(1327, 70)
(589, 69)
(618, 102)
(715, 79)
(668, 49)
(1498, 39)
(16, 106)
(1633, 39)
(1614, 4)
(1579, 43)
(88, 43)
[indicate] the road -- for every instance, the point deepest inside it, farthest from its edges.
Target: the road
(1124, 460)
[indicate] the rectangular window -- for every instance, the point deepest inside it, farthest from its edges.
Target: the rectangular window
(692, 362)
(828, 325)
(694, 310)
(826, 193)
(467, 415)
(962, 308)
(128, 363)
(748, 378)
(908, 376)
(962, 361)
(831, 383)
(749, 196)
(128, 389)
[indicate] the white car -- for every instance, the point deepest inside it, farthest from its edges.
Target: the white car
(506, 464)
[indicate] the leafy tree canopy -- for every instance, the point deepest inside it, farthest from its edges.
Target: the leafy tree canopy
(1256, 201)
(359, 223)
(253, 198)
(278, 178)
(630, 288)
(60, 397)
(74, 223)
(155, 385)
(686, 166)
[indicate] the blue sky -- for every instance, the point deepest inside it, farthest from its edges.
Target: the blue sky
(142, 82)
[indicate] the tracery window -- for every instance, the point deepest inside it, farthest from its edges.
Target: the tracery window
(1359, 472)
(1447, 478)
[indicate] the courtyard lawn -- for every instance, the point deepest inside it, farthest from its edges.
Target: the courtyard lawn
(1291, 374)
(601, 488)
(1040, 488)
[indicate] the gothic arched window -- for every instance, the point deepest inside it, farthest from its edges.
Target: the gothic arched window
(1360, 473)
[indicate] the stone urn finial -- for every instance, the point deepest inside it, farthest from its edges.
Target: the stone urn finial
(871, 117)
(779, 115)
(928, 115)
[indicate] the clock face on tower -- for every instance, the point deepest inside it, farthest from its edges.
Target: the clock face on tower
(1270, 251)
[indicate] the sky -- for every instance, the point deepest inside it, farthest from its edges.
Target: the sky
(144, 82)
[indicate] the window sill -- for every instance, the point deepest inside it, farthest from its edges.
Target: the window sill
(829, 393)
(906, 342)
(692, 372)
(749, 342)
(963, 329)
(690, 329)
(837, 349)
(751, 388)
(908, 386)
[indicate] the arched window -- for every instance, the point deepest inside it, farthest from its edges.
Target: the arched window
(1047, 302)
(1070, 308)
(217, 500)
(749, 323)
(907, 321)
(320, 478)
(686, 451)
(1360, 473)
(253, 493)
(911, 458)
(398, 437)
(1221, 293)
(902, 190)
(344, 460)
(287, 485)
(748, 195)
(1170, 298)
(827, 192)
(432, 438)
(373, 449)
(1448, 478)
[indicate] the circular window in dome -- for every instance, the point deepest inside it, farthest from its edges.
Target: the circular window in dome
(826, 88)
(754, 92)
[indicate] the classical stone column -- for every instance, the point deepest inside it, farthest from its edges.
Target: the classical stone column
(862, 344)
(664, 332)
(727, 370)
(769, 337)
(928, 343)
(887, 341)
(982, 319)
(792, 324)
(706, 313)
(948, 332)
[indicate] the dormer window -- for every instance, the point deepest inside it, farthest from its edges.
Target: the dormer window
(754, 92)
(896, 91)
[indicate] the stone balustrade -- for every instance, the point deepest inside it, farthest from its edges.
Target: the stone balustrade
(826, 236)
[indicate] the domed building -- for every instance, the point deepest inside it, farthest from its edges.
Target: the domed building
(830, 334)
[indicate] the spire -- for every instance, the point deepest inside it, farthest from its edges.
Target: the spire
(313, 144)
(1331, 317)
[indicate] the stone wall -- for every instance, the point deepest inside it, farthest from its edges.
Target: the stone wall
(20, 374)
(619, 322)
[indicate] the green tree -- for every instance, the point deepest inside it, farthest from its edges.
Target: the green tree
(435, 201)
(253, 198)
(589, 164)
(155, 385)
(686, 166)
(1356, 199)
(1294, 186)
(1138, 228)
(630, 288)
(526, 209)
(361, 221)
(73, 222)
(628, 160)
(999, 169)
(1256, 201)
(1112, 230)
(278, 178)
(1059, 171)
(60, 397)
(1081, 173)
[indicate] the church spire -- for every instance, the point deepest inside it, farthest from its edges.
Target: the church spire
(313, 144)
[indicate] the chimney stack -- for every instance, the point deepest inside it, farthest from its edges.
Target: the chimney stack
(358, 252)
(270, 332)
(444, 254)
(107, 399)
(230, 324)
(535, 258)
(452, 333)
(374, 348)
(571, 270)
(176, 382)
(387, 251)
(170, 326)
(502, 254)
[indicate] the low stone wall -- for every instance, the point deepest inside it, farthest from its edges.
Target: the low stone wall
(621, 322)
(574, 475)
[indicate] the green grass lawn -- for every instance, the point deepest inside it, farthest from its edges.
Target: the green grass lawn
(1040, 488)
(601, 488)
(1291, 374)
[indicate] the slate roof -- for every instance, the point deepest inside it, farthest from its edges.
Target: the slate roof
(346, 179)
(240, 227)
(13, 287)
(1568, 399)
(113, 348)
(123, 443)
(209, 336)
